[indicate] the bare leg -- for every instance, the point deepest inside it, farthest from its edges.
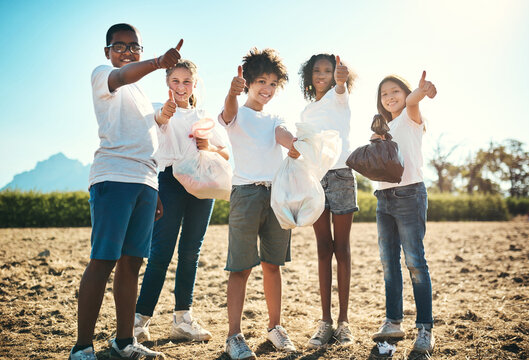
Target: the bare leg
(272, 291)
(342, 251)
(91, 292)
(322, 229)
(236, 294)
(125, 293)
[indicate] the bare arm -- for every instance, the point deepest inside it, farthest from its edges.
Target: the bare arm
(426, 88)
(133, 72)
(340, 76)
(286, 139)
(204, 144)
(231, 105)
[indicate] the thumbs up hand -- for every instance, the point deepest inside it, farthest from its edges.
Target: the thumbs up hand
(341, 72)
(427, 88)
(168, 109)
(171, 57)
(238, 83)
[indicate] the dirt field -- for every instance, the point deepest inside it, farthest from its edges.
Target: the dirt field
(480, 276)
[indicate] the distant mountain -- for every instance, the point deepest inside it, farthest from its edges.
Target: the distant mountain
(58, 173)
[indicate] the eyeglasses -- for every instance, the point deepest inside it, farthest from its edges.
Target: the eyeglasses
(121, 47)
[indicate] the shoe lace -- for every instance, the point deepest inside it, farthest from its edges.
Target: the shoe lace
(239, 344)
(384, 326)
(322, 329)
(423, 338)
(343, 332)
(283, 337)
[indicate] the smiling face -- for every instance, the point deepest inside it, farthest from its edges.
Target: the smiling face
(120, 59)
(322, 77)
(182, 82)
(261, 91)
(393, 98)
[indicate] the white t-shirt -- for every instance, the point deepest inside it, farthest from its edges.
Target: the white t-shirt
(408, 135)
(175, 141)
(256, 154)
(127, 133)
(332, 112)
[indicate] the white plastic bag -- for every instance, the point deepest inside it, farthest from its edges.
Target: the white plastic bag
(204, 174)
(297, 196)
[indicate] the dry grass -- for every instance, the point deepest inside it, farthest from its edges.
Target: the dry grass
(480, 275)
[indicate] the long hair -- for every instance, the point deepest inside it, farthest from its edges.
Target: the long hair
(403, 84)
(189, 65)
(306, 70)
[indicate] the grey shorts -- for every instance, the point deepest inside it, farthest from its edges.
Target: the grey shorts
(251, 215)
(340, 191)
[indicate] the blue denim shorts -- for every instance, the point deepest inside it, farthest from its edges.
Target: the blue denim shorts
(339, 186)
(122, 219)
(250, 216)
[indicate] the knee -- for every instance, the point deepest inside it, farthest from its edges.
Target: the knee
(188, 256)
(325, 252)
(343, 254)
(419, 274)
(270, 269)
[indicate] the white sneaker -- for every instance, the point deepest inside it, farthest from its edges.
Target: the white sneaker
(185, 327)
(85, 354)
(237, 349)
(141, 327)
(425, 341)
(134, 351)
(279, 338)
(322, 336)
(343, 334)
(388, 330)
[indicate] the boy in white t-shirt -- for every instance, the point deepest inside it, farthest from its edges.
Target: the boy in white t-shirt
(256, 139)
(123, 191)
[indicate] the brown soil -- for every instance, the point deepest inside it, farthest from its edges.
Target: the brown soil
(480, 275)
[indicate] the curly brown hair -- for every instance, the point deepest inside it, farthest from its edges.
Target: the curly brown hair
(266, 61)
(309, 92)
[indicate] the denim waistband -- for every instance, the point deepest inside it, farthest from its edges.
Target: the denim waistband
(411, 186)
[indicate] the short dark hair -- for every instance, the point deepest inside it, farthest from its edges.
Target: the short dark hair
(258, 62)
(120, 27)
(309, 92)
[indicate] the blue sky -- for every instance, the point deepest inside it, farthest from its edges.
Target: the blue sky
(476, 52)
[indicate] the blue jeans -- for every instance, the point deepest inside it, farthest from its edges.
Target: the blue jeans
(401, 221)
(179, 209)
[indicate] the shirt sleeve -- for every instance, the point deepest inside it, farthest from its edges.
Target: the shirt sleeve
(341, 98)
(100, 82)
(221, 120)
(406, 119)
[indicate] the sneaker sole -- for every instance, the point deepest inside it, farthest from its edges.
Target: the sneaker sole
(393, 336)
(289, 351)
(252, 357)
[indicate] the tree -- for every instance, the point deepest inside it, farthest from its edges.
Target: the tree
(512, 162)
(479, 170)
(446, 171)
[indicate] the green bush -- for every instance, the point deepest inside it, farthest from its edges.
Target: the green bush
(518, 206)
(221, 212)
(64, 209)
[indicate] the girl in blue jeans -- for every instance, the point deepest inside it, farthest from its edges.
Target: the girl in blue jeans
(401, 211)
(180, 209)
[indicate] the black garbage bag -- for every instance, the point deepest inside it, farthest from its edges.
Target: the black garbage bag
(380, 160)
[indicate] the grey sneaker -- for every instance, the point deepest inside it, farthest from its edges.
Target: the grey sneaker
(185, 327)
(141, 327)
(425, 341)
(388, 330)
(85, 354)
(343, 334)
(279, 338)
(237, 349)
(134, 351)
(322, 336)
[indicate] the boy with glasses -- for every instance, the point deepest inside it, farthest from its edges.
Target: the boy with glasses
(123, 191)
